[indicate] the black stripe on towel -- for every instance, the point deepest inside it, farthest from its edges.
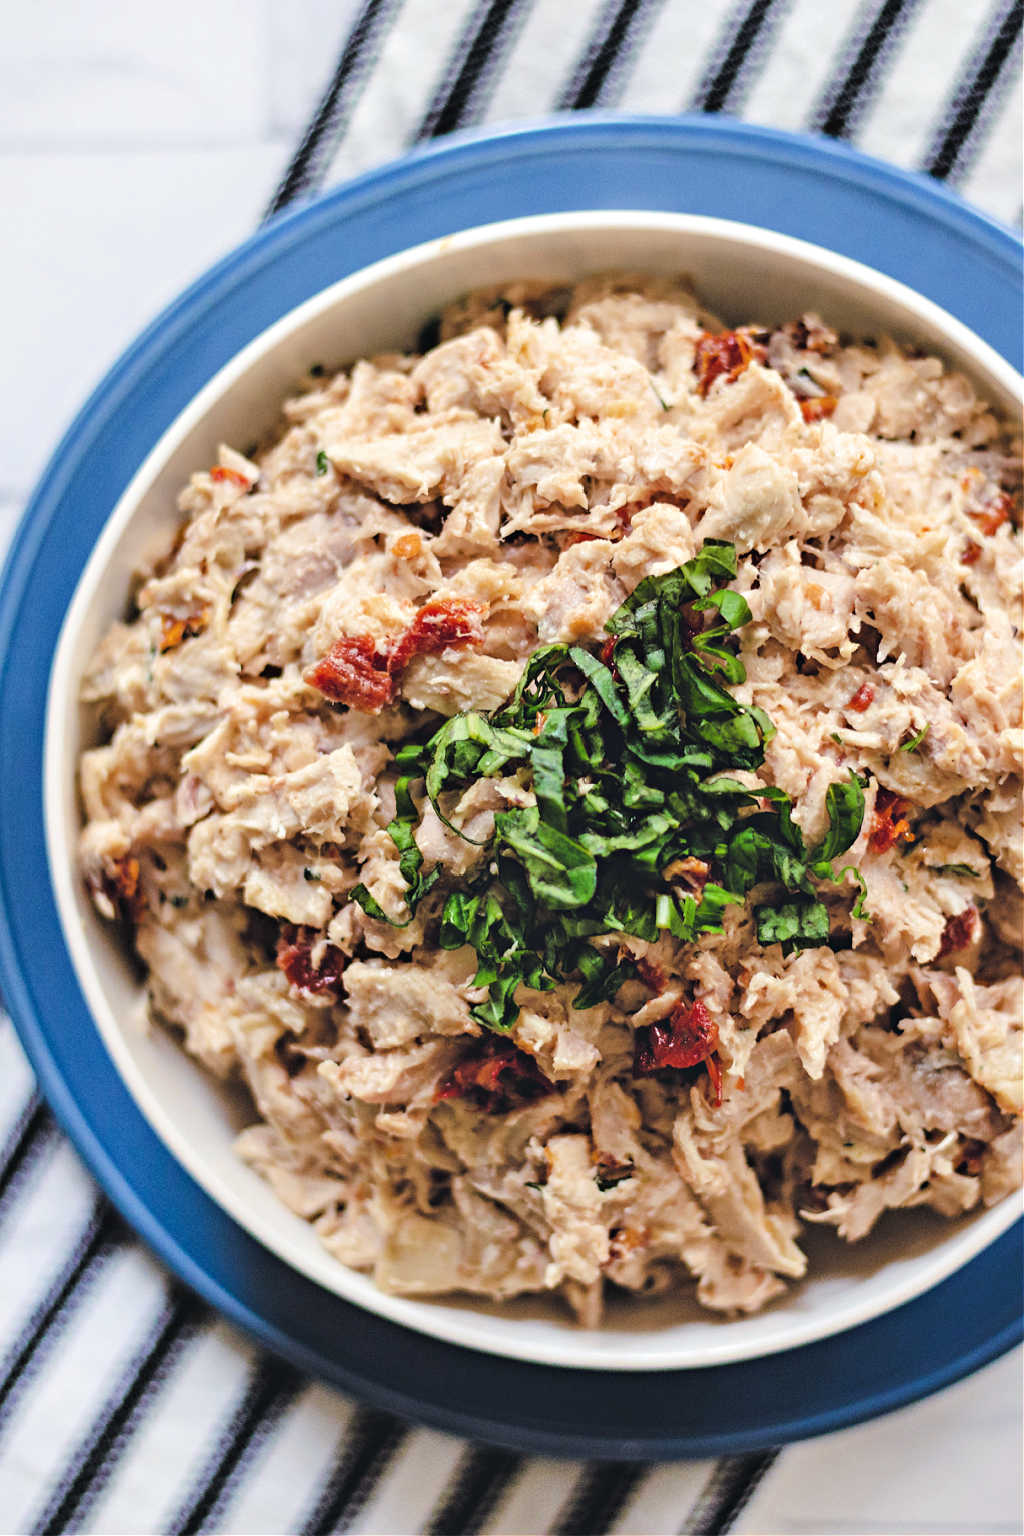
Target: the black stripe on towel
(974, 89)
(597, 1499)
(365, 1452)
(857, 80)
(311, 160)
(727, 1492)
(485, 39)
(479, 1480)
(90, 1468)
(619, 31)
(271, 1388)
(734, 57)
(31, 1134)
(97, 1241)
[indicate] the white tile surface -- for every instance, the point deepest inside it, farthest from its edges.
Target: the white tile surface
(948, 1465)
(94, 245)
(114, 75)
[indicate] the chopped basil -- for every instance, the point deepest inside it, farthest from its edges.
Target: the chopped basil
(660, 397)
(322, 463)
(629, 755)
(915, 741)
(800, 924)
(963, 870)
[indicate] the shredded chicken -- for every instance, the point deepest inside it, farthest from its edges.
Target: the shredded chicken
(421, 525)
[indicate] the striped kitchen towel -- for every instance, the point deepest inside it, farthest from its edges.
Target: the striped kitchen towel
(125, 1404)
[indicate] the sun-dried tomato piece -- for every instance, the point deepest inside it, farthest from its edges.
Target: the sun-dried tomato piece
(408, 545)
(888, 824)
(221, 472)
(173, 631)
(444, 622)
(818, 407)
(118, 891)
(354, 672)
(862, 698)
(972, 554)
(959, 932)
(725, 355)
(358, 672)
(495, 1075)
(625, 1240)
(993, 514)
(295, 959)
(688, 1037)
(125, 886)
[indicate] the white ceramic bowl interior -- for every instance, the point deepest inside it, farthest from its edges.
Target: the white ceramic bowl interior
(744, 274)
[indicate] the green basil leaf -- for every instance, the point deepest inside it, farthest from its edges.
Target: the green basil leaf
(561, 872)
(844, 803)
(793, 924)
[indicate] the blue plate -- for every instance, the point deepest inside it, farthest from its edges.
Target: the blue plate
(824, 192)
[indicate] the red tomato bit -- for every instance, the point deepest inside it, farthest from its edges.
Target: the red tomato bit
(221, 472)
(447, 621)
(355, 673)
(124, 887)
(496, 1076)
(359, 673)
(686, 1038)
(959, 932)
(818, 407)
(994, 513)
(724, 355)
(971, 554)
(888, 826)
(862, 698)
(173, 631)
(295, 959)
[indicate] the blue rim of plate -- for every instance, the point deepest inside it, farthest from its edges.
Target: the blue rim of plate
(905, 225)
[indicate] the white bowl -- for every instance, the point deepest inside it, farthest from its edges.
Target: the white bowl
(744, 274)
